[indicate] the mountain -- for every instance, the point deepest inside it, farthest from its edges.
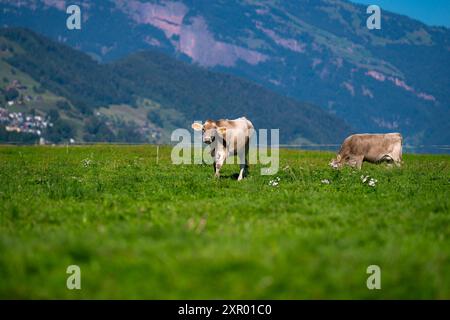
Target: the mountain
(393, 79)
(141, 97)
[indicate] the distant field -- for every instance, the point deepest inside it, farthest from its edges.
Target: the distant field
(142, 229)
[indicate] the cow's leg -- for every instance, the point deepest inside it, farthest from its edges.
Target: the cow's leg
(397, 160)
(389, 160)
(397, 155)
(359, 162)
(218, 165)
(219, 160)
(351, 162)
(242, 164)
(247, 150)
(241, 172)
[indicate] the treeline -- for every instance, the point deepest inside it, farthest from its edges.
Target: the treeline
(15, 137)
(97, 130)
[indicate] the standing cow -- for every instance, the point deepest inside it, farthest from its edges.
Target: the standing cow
(373, 148)
(227, 138)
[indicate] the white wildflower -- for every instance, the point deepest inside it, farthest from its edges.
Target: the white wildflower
(86, 162)
(325, 181)
(364, 178)
(274, 182)
(370, 181)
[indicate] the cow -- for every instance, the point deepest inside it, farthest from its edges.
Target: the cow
(373, 148)
(227, 138)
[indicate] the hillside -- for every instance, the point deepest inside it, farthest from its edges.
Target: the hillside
(146, 95)
(393, 79)
(201, 94)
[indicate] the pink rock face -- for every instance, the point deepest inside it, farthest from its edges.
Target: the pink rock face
(391, 125)
(152, 41)
(316, 62)
(324, 73)
(194, 39)
(366, 92)
(401, 84)
(425, 96)
(197, 42)
(262, 11)
(290, 44)
(350, 88)
(105, 50)
(275, 82)
(376, 75)
(58, 4)
(338, 62)
(168, 17)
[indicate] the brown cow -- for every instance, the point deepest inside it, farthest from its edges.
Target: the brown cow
(373, 148)
(227, 138)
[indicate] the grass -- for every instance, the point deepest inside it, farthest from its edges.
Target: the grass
(141, 229)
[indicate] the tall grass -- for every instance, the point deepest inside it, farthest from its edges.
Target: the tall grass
(141, 228)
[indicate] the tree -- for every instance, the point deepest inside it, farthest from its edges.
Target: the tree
(54, 115)
(61, 130)
(38, 90)
(11, 94)
(97, 130)
(154, 117)
(62, 105)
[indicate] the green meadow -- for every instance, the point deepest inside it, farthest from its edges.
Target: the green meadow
(140, 227)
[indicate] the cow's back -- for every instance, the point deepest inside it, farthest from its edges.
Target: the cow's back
(238, 134)
(373, 147)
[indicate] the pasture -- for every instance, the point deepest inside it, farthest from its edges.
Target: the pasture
(147, 230)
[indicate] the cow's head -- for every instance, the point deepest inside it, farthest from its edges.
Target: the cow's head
(336, 163)
(210, 130)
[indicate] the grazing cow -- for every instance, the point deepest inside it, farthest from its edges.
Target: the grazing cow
(227, 138)
(373, 148)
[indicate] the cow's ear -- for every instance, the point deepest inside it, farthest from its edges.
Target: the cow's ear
(197, 126)
(338, 158)
(222, 130)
